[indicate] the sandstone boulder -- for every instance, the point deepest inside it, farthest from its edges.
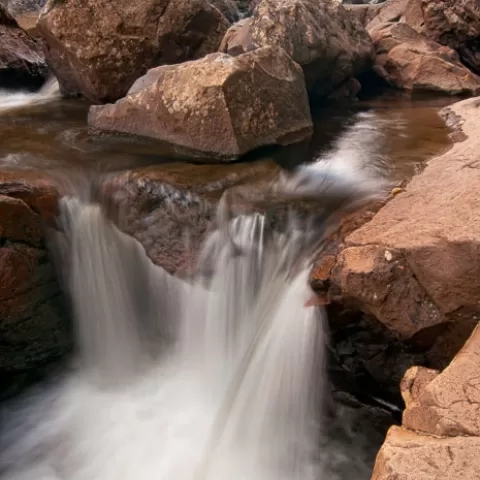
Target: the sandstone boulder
(34, 327)
(216, 108)
(414, 265)
(409, 61)
(328, 42)
(406, 455)
(21, 57)
(98, 48)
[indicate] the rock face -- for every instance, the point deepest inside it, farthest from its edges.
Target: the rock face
(98, 48)
(34, 328)
(328, 42)
(452, 24)
(407, 60)
(234, 105)
(21, 57)
(364, 13)
(390, 267)
(443, 436)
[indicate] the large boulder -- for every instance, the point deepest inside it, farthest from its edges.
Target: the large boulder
(328, 42)
(414, 266)
(409, 61)
(98, 48)
(441, 434)
(216, 108)
(21, 57)
(34, 326)
(453, 24)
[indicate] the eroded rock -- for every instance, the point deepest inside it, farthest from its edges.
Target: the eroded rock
(232, 106)
(407, 60)
(21, 57)
(99, 48)
(322, 37)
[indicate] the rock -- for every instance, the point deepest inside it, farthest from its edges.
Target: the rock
(414, 382)
(228, 8)
(34, 325)
(449, 404)
(363, 13)
(97, 48)
(407, 60)
(21, 58)
(407, 455)
(453, 24)
(389, 267)
(457, 25)
(233, 106)
(322, 37)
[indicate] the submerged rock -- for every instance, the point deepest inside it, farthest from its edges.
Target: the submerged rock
(34, 326)
(322, 37)
(217, 108)
(21, 57)
(99, 48)
(408, 60)
(442, 422)
(414, 267)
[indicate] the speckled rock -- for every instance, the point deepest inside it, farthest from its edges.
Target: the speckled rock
(329, 43)
(217, 108)
(98, 48)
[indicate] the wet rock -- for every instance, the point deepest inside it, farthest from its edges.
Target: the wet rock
(322, 37)
(233, 106)
(99, 48)
(409, 61)
(228, 8)
(406, 455)
(364, 13)
(21, 57)
(34, 327)
(413, 266)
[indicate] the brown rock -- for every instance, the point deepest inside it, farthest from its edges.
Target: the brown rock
(413, 266)
(21, 58)
(228, 8)
(407, 60)
(450, 404)
(414, 382)
(34, 326)
(234, 105)
(406, 455)
(98, 48)
(328, 42)
(363, 13)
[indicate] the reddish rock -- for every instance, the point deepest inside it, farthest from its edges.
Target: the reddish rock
(21, 57)
(232, 106)
(98, 48)
(409, 61)
(322, 37)
(363, 13)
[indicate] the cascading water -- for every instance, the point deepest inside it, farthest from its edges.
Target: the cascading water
(218, 378)
(12, 100)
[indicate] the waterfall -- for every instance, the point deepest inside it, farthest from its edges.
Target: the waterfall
(218, 377)
(10, 100)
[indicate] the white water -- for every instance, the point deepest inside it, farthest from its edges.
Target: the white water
(213, 380)
(13, 100)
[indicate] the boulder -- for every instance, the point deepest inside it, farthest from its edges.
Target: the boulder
(440, 437)
(364, 13)
(233, 106)
(34, 324)
(452, 24)
(414, 266)
(21, 57)
(228, 8)
(409, 61)
(98, 48)
(407, 455)
(322, 37)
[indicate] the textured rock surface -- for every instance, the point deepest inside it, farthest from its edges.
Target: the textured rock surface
(21, 57)
(407, 60)
(327, 41)
(413, 266)
(364, 13)
(234, 105)
(98, 48)
(34, 327)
